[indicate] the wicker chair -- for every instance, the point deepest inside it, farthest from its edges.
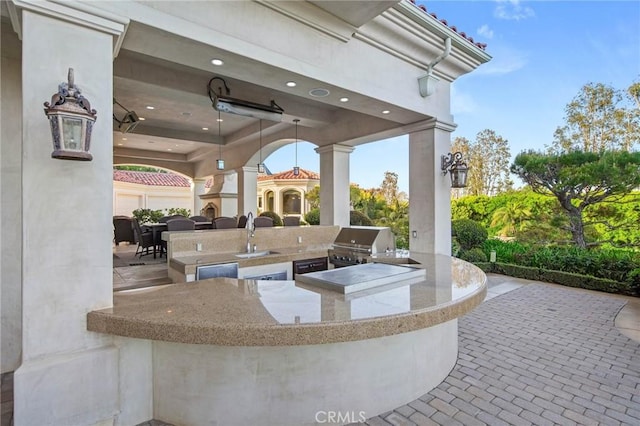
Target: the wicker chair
(123, 230)
(291, 221)
(263, 222)
(144, 237)
(224, 223)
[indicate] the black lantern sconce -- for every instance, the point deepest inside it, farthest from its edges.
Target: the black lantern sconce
(457, 169)
(71, 119)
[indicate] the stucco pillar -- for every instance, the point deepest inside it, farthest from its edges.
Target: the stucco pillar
(68, 375)
(334, 184)
(429, 190)
(247, 190)
(198, 190)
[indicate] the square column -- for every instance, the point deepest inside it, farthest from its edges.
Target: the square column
(429, 190)
(334, 184)
(67, 375)
(247, 190)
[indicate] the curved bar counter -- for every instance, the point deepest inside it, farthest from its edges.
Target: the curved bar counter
(290, 353)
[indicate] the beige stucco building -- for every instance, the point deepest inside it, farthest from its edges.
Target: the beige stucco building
(351, 72)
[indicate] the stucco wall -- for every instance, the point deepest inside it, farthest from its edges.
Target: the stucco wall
(130, 196)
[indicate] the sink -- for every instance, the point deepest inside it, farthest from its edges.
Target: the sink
(255, 254)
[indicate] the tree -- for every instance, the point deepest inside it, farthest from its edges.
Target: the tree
(599, 119)
(511, 218)
(488, 161)
(313, 197)
(580, 180)
(389, 187)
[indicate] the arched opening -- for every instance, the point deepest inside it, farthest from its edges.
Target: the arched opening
(291, 202)
(269, 201)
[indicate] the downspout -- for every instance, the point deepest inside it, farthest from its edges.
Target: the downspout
(428, 82)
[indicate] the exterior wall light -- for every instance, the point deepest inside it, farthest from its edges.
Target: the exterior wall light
(457, 169)
(71, 119)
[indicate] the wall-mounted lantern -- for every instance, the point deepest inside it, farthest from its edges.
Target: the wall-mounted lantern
(71, 119)
(457, 169)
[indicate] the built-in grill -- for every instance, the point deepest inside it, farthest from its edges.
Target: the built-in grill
(356, 244)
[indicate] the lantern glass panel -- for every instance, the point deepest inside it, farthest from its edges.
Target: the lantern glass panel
(72, 133)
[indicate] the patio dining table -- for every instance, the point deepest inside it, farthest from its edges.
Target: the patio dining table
(157, 228)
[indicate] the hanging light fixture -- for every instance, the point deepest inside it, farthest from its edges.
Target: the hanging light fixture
(296, 169)
(260, 165)
(219, 161)
(457, 169)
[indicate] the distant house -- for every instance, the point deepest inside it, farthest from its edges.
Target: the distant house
(149, 190)
(285, 193)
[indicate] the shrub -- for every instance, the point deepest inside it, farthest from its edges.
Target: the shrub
(357, 218)
(147, 215)
(474, 255)
(277, 221)
(469, 233)
(176, 210)
(313, 217)
(633, 278)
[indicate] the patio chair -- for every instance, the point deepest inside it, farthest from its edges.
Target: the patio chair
(123, 230)
(242, 221)
(224, 223)
(165, 219)
(291, 221)
(144, 237)
(263, 222)
(200, 219)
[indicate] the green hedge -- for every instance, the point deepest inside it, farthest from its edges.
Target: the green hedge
(559, 277)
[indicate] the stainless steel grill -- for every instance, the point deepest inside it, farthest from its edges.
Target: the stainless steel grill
(356, 244)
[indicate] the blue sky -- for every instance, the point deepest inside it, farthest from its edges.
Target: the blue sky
(543, 53)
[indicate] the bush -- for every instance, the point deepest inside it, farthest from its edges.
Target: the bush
(357, 218)
(474, 255)
(277, 221)
(468, 233)
(313, 217)
(147, 215)
(175, 210)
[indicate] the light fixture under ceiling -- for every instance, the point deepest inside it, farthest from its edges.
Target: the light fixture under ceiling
(296, 169)
(260, 164)
(219, 161)
(225, 103)
(129, 121)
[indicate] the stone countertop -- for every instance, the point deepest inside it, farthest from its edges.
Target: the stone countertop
(187, 264)
(237, 312)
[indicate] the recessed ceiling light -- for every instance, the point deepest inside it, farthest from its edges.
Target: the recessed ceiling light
(168, 149)
(120, 144)
(150, 107)
(124, 139)
(291, 83)
(217, 62)
(319, 92)
(205, 128)
(386, 111)
(344, 99)
(142, 118)
(219, 119)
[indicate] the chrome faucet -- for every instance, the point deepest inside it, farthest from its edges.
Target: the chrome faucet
(251, 227)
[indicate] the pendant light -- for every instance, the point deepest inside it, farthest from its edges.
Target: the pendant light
(219, 161)
(296, 169)
(260, 165)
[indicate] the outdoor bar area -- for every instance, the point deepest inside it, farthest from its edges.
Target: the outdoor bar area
(264, 326)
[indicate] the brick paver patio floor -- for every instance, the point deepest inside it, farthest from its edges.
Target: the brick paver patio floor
(538, 355)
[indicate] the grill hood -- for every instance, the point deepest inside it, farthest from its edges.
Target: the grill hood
(370, 239)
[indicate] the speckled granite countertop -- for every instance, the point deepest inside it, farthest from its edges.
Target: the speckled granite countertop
(237, 312)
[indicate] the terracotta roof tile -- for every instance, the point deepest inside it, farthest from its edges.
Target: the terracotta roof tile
(288, 174)
(482, 46)
(151, 178)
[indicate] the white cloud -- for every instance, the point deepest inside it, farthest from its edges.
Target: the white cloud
(512, 10)
(462, 103)
(504, 60)
(485, 31)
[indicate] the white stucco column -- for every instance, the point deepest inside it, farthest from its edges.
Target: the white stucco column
(429, 190)
(68, 375)
(247, 190)
(334, 184)
(198, 190)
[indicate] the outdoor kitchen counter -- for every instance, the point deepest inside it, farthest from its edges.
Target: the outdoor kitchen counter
(237, 312)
